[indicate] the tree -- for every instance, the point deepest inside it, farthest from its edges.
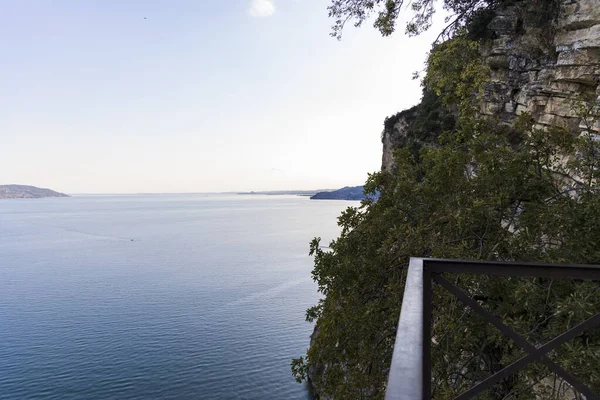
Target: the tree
(493, 195)
(471, 14)
(388, 11)
(488, 191)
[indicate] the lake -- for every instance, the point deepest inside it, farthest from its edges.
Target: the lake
(157, 296)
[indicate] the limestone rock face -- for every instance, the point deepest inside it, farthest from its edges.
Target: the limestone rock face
(393, 137)
(316, 370)
(544, 71)
(539, 70)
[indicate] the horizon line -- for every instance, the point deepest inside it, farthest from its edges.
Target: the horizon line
(282, 191)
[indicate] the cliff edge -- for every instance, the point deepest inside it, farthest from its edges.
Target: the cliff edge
(539, 68)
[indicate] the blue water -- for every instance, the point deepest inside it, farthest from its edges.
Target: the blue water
(157, 296)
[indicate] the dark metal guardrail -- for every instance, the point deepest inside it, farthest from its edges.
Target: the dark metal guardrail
(410, 373)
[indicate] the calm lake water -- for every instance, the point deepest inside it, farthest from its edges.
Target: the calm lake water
(157, 296)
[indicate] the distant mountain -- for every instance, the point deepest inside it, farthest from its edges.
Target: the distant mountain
(26, 192)
(345, 193)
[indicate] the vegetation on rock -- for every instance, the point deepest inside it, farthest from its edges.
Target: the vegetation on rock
(426, 121)
(487, 191)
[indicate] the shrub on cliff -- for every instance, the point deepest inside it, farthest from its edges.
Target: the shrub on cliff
(426, 121)
(487, 192)
(478, 196)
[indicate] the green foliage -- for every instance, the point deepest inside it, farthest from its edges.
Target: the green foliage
(489, 192)
(455, 72)
(387, 12)
(299, 369)
(359, 10)
(486, 191)
(425, 122)
(477, 24)
(470, 15)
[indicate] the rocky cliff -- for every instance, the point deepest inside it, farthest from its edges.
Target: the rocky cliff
(542, 69)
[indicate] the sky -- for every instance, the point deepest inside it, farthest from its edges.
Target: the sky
(177, 96)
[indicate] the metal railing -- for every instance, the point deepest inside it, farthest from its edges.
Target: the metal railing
(410, 372)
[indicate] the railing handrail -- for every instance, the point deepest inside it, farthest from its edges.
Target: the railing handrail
(406, 373)
(410, 372)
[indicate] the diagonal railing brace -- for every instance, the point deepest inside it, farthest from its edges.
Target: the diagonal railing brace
(534, 353)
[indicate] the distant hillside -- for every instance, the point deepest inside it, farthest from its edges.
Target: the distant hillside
(345, 193)
(26, 192)
(286, 192)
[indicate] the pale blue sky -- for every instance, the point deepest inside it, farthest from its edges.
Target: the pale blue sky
(126, 96)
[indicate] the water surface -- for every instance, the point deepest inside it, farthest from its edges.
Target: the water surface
(157, 296)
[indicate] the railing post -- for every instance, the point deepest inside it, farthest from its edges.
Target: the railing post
(405, 381)
(427, 311)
